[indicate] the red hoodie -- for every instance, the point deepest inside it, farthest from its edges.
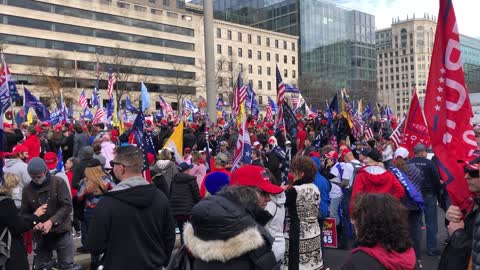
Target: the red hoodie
(391, 260)
(32, 142)
(375, 179)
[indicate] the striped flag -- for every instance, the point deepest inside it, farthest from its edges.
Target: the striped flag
(269, 115)
(188, 105)
(243, 150)
(99, 115)
(165, 105)
(397, 135)
(369, 134)
(112, 80)
(272, 104)
(239, 94)
(280, 96)
(83, 100)
(294, 102)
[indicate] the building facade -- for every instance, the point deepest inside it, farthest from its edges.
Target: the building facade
(54, 44)
(255, 53)
(336, 45)
(404, 52)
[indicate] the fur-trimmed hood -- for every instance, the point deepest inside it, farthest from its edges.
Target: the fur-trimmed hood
(222, 250)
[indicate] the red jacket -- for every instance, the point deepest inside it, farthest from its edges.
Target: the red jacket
(375, 179)
(32, 142)
(203, 189)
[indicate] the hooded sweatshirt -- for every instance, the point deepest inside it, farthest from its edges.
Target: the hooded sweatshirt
(375, 179)
(133, 225)
(370, 258)
(167, 168)
(276, 207)
(19, 168)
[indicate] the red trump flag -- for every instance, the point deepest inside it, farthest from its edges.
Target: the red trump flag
(415, 130)
(447, 108)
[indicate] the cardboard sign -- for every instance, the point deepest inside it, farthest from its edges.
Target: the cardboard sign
(330, 233)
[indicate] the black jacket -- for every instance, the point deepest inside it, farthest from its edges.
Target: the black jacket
(17, 225)
(134, 227)
(231, 235)
(430, 176)
(189, 140)
(361, 260)
(184, 194)
(10, 139)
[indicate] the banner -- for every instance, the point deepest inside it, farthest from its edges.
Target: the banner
(447, 108)
(415, 129)
(330, 233)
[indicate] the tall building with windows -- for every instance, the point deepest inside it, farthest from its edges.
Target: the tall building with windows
(404, 52)
(255, 53)
(336, 45)
(155, 41)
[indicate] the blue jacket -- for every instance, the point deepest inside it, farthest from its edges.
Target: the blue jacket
(324, 187)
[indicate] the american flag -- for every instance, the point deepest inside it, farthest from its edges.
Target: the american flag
(369, 134)
(239, 94)
(294, 102)
(99, 115)
(397, 135)
(112, 80)
(280, 96)
(165, 105)
(83, 100)
(269, 115)
(243, 150)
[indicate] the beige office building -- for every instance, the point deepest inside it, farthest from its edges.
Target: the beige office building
(56, 44)
(403, 60)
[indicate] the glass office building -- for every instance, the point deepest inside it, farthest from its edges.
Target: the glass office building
(337, 45)
(471, 62)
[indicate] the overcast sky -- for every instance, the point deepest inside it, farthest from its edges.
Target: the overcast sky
(466, 11)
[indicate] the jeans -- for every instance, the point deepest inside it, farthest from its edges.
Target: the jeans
(430, 200)
(87, 216)
(334, 204)
(346, 230)
(62, 243)
(414, 224)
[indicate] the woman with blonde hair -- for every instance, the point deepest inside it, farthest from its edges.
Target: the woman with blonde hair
(12, 225)
(95, 184)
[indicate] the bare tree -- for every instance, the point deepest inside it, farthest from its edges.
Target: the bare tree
(52, 73)
(182, 84)
(227, 71)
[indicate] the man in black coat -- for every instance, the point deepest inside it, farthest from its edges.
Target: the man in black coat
(86, 157)
(132, 224)
(11, 137)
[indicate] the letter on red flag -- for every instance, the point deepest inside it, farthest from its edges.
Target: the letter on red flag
(415, 130)
(447, 107)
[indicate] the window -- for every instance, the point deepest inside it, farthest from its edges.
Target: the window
(277, 58)
(230, 66)
(123, 5)
(250, 69)
(240, 36)
(249, 39)
(284, 45)
(259, 55)
(220, 65)
(219, 33)
(240, 67)
(152, 1)
(230, 51)
(156, 11)
(229, 34)
(276, 43)
(285, 59)
(285, 73)
(259, 70)
(240, 52)
(219, 49)
(293, 46)
(260, 85)
(172, 14)
(293, 60)
(293, 74)
(106, 2)
(140, 8)
(180, 4)
(250, 54)
(260, 100)
(269, 85)
(267, 41)
(268, 56)
(166, 2)
(269, 71)
(259, 40)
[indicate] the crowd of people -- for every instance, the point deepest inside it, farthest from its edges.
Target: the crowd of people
(265, 215)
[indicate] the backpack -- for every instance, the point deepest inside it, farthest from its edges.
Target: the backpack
(5, 245)
(161, 183)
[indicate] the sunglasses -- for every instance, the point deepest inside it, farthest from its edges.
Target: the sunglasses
(113, 163)
(472, 173)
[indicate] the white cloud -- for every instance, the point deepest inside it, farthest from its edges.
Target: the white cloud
(466, 11)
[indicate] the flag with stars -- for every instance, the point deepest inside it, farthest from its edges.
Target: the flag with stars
(448, 110)
(243, 151)
(415, 130)
(8, 89)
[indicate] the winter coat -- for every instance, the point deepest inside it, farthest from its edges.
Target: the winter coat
(56, 194)
(184, 194)
(107, 152)
(378, 258)
(476, 244)
(375, 179)
(189, 140)
(457, 252)
(225, 235)
(276, 207)
(132, 224)
(199, 171)
(17, 225)
(167, 168)
(324, 187)
(10, 139)
(67, 147)
(32, 142)
(80, 140)
(431, 177)
(19, 168)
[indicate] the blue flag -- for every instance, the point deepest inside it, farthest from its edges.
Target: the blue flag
(32, 102)
(110, 108)
(145, 97)
(273, 105)
(130, 107)
(60, 167)
(87, 114)
(189, 106)
(95, 101)
(220, 103)
(291, 89)
(55, 117)
(368, 113)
